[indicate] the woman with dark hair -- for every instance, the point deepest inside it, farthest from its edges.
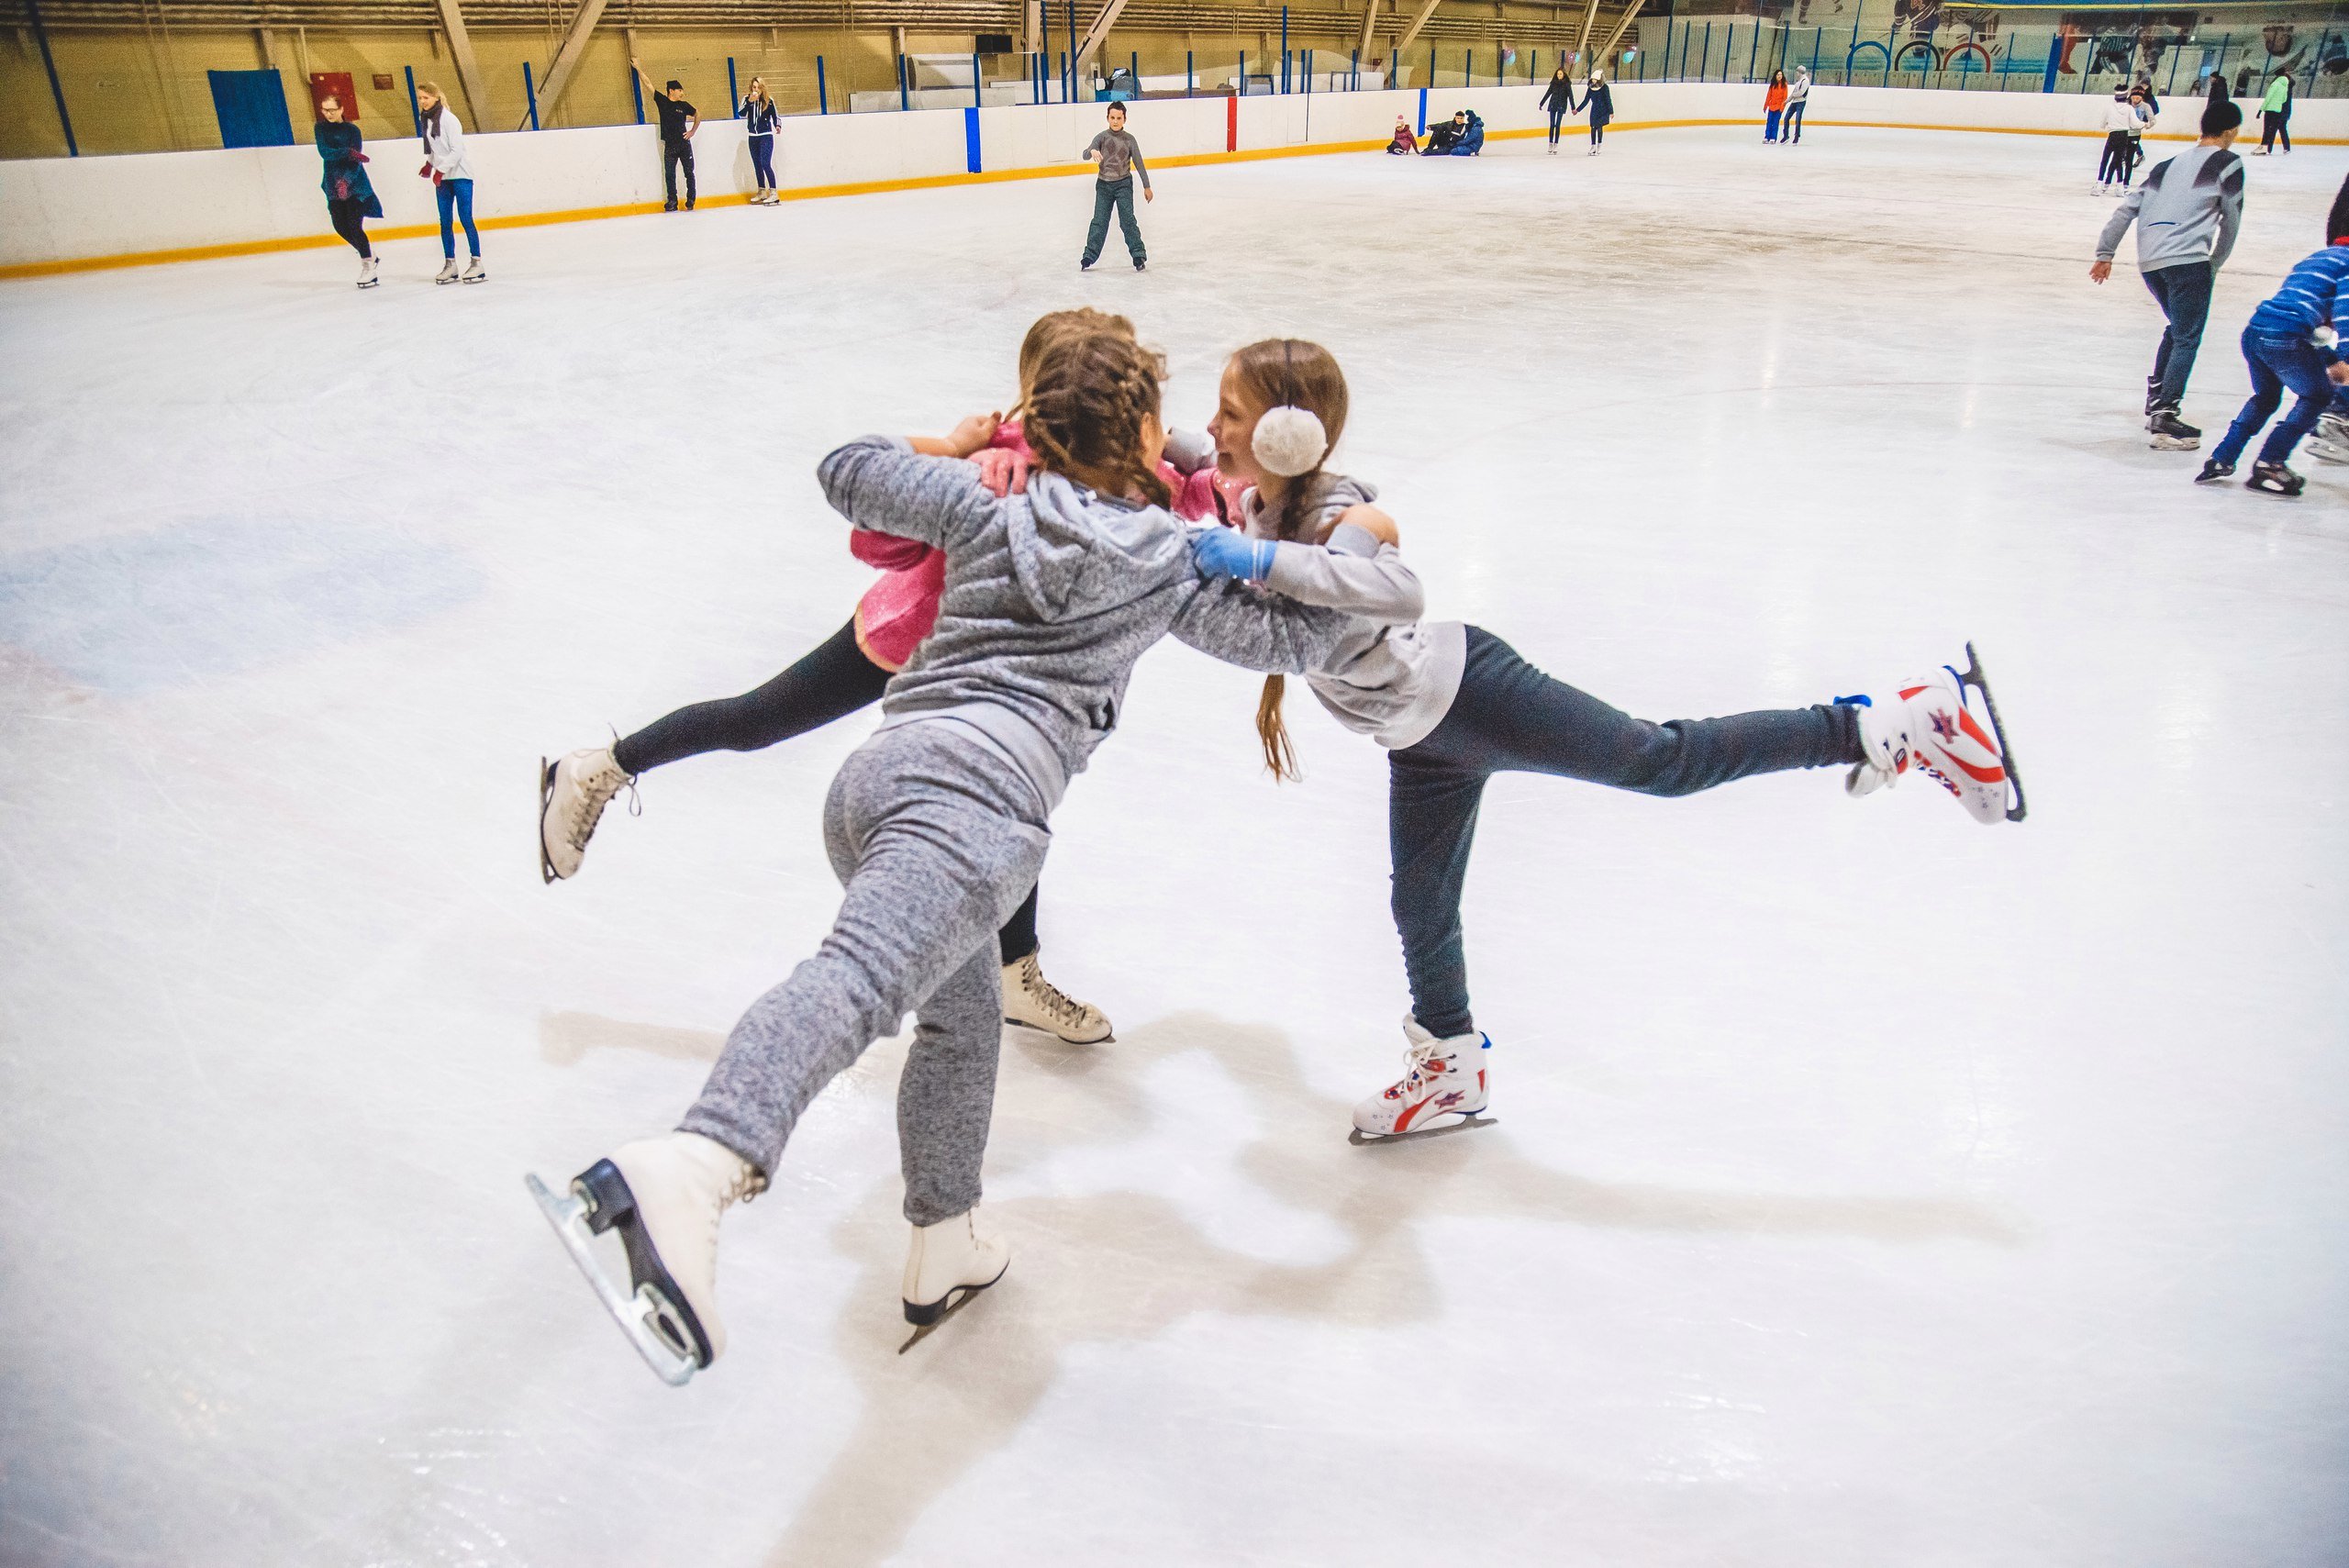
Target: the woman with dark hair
(351, 198)
(1558, 100)
(1774, 105)
(2276, 114)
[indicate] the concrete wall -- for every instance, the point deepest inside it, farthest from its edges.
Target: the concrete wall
(92, 210)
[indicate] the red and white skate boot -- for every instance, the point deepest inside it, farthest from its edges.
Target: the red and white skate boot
(1447, 1088)
(1929, 726)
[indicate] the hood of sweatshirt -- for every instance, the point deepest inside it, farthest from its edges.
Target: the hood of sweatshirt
(1075, 553)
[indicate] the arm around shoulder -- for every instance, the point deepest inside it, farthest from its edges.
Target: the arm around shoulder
(881, 484)
(1236, 623)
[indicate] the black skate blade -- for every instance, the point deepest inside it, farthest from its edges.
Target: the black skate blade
(1010, 1022)
(955, 1303)
(546, 798)
(1359, 1138)
(636, 1312)
(1979, 679)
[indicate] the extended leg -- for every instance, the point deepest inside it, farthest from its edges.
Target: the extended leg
(929, 834)
(1099, 233)
(834, 679)
(2266, 394)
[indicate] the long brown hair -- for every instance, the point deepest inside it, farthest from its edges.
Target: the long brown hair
(1293, 373)
(1050, 328)
(1086, 406)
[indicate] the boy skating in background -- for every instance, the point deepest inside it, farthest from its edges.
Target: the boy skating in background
(2293, 341)
(2187, 213)
(1120, 156)
(679, 120)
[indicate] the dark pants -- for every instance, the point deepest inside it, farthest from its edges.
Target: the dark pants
(2270, 128)
(2114, 164)
(1511, 717)
(1792, 130)
(1770, 124)
(2277, 364)
(1117, 194)
(673, 153)
(2184, 291)
(762, 160)
(350, 220)
(833, 681)
(1598, 132)
(1556, 115)
(456, 197)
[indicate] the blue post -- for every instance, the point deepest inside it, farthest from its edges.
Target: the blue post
(2088, 69)
(1752, 45)
(2055, 52)
(1186, 73)
(1068, 79)
(971, 139)
(823, 99)
(1243, 74)
(1068, 56)
(1133, 63)
(905, 98)
(1353, 70)
(1468, 66)
(1818, 37)
(64, 120)
(976, 100)
(416, 109)
(531, 94)
(1705, 60)
(2179, 49)
(1284, 49)
(1423, 104)
(1044, 53)
(734, 92)
(1430, 74)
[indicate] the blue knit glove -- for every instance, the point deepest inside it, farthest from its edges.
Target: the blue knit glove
(1227, 552)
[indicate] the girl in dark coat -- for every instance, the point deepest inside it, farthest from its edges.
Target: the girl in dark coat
(351, 199)
(1601, 105)
(1558, 98)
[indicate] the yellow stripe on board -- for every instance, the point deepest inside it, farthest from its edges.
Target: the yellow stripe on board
(934, 182)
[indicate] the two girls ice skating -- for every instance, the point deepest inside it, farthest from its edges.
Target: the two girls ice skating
(2125, 119)
(2187, 213)
(451, 174)
(1120, 156)
(851, 668)
(937, 825)
(1454, 704)
(2293, 340)
(350, 196)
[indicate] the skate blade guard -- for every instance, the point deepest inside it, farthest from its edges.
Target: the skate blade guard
(1465, 1124)
(656, 1321)
(1979, 679)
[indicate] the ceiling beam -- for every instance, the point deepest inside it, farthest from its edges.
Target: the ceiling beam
(1413, 31)
(461, 44)
(567, 59)
(1095, 34)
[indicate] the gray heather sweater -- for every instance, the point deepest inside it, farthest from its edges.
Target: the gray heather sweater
(2187, 209)
(1391, 677)
(1120, 155)
(1050, 598)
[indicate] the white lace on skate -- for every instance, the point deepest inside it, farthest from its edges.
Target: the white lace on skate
(584, 784)
(1443, 1081)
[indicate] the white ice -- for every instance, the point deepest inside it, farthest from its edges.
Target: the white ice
(1870, 1187)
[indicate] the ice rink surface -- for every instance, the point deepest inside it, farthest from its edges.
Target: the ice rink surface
(1871, 1189)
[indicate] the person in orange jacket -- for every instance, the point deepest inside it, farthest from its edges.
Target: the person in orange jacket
(1773, 104)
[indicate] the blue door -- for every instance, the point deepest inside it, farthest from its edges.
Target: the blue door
(251, 108)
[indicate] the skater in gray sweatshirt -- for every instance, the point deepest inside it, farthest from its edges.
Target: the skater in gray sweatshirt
(2187, 213)
(1121, 157)
(937, 828)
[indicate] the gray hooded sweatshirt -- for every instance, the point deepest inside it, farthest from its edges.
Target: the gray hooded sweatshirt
(1391, 677)
(1050, 598)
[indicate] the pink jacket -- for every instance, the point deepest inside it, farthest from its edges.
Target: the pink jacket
(898, 612)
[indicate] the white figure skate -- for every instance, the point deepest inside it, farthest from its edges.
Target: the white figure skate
(1034, 1002)
(1929, 725)
(572, 793)
(664, 1195)
(947, 1264)
(1446, 1090)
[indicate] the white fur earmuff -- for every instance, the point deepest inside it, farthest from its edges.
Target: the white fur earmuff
(1289, 442)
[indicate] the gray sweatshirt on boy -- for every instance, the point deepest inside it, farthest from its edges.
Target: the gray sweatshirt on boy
(2187, 211)
(1050, 598)
(1120, 156)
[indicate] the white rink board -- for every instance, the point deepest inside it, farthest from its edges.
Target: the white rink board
(1870, 1187)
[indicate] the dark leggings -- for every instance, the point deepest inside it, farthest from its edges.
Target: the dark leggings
(2271, 127)
(1511, 717)
(833, 681)
(762, 160)
(1556, 117)
(350, 220)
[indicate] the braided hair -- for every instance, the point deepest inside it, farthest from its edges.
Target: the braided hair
(1055, 325)
(1293, 373)
(1084, 411)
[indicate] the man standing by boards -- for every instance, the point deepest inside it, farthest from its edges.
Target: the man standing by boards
(2187, 213)
(678, 123)
(1120, 156)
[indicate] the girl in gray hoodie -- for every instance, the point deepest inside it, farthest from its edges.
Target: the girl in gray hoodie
(1454, 704)
(937, 827)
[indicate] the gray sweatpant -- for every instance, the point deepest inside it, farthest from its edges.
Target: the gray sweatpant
(937, 839)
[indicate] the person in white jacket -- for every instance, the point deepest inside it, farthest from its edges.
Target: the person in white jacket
(453, 182)
(1797, 99)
